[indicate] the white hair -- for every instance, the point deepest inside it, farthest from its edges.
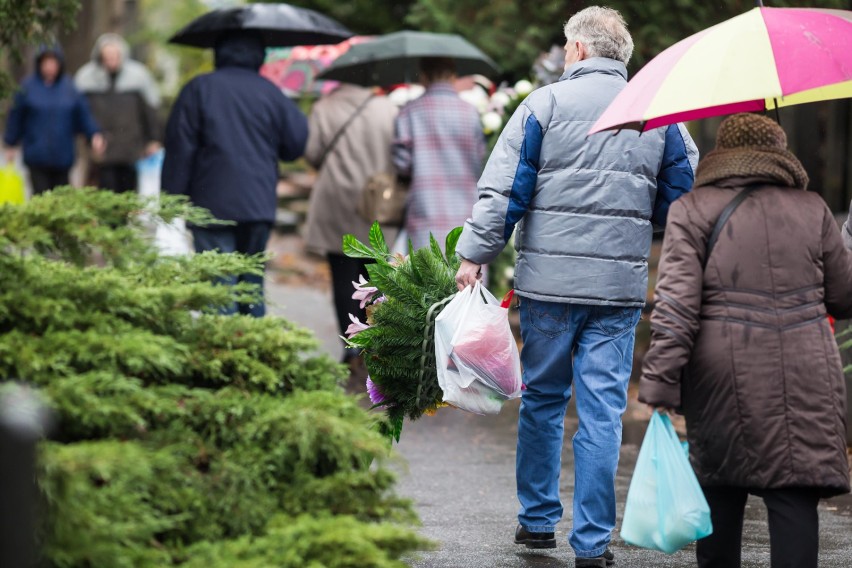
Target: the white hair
(602, 31)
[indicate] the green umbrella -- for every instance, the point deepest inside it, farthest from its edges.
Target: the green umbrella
(395, 58)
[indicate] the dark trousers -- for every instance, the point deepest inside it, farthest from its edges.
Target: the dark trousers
(793, 527)
(117, 177)
(345, 271)
(246, 238)
(43, 179)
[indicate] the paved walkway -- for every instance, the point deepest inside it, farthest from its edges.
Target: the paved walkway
(460, 467)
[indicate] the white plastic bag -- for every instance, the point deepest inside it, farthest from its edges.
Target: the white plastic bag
(477, 357)
(171, 239)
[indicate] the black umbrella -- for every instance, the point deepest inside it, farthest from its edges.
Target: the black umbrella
(279, 25)
(395, 58)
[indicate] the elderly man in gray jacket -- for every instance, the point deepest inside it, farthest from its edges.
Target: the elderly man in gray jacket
(582, 208)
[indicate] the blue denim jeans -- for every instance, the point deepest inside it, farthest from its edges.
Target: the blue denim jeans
(589, 348)
(246, 238)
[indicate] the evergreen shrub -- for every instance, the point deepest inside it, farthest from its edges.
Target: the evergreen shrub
(183, 437)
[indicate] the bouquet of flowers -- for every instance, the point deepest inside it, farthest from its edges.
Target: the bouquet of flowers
(403, 296)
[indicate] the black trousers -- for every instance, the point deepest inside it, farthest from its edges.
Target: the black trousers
(43, 179)
(793, 527)
(345, 271)
(117, 177)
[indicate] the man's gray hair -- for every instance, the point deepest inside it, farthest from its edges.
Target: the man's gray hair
(602, 31)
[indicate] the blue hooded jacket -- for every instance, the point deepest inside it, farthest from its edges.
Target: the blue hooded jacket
(45, 119)
(226, 133)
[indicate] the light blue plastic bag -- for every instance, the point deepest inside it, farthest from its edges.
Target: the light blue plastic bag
(666, 509)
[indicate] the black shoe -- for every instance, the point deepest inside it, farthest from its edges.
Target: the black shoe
(603, 561)
(534, 540)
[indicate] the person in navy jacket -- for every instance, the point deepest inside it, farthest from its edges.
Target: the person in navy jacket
(225, 135)
(46, 116)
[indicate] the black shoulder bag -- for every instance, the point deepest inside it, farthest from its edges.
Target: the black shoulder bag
(724, 218)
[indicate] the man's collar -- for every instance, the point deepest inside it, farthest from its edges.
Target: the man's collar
(603, 65)
(441, 87)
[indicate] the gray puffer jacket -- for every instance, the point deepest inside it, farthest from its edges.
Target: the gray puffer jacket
(583, 205)
(847, 229)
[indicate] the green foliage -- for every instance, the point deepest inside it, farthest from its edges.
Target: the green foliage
(512, 33)
(515, 33)
(30, 22)
(307, 542)
(159, 20)
(399, 348)
(178, 427)
(364, 17)
(101, 499)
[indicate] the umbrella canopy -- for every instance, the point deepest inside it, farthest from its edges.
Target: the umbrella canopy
(763, 59)
(294, 69)
(279, 25)
(395, 58)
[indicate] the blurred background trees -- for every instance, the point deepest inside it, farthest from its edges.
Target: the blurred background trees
(27, 23)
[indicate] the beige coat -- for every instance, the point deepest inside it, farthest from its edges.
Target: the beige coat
(744, 348)
(362, 150)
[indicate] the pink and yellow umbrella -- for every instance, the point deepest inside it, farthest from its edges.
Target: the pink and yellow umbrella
(763, 59)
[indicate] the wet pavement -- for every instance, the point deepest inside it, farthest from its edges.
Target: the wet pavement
(461, 476)
(458, 468)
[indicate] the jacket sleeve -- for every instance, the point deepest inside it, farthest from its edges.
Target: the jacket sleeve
(847, 230)
(316, 146)
(15, 121)
(150, 90)
(837, 269)
(677, 172)
(403, 144)
(675, 321)
(506, 188)
(183, 137)
(84, 121)
(294, 129)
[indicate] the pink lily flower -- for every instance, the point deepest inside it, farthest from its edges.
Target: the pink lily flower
(363, 292)
(355, 327)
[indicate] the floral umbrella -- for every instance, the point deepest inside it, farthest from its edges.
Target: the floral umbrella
(766, 58)
(294, 69)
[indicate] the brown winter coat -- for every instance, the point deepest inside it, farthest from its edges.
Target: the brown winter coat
(363, 149)
(743, 348)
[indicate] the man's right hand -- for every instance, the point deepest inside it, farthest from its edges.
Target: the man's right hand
(469, 272)
(10, 154)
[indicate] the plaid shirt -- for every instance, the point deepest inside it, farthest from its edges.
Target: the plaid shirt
(438, 143)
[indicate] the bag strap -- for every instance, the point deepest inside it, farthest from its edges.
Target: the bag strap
(343, 128)
(724, 218)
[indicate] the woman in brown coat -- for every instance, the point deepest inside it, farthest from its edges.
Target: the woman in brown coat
(743, 348)
(351, 131)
